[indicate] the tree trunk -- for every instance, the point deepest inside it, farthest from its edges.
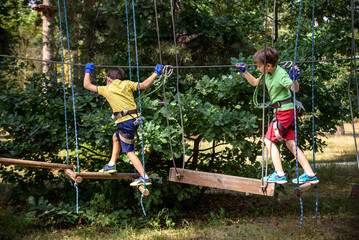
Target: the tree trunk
(47, 9)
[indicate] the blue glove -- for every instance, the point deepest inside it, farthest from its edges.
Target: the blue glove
(241, 69)
(293, 74)
(89, 67)
(158, 69)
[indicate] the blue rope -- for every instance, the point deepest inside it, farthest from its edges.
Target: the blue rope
(143, 209)
(295, 111)
(139, 96)
(313, 129)
(63, 84)
(73, 94)
(77, 198)
(72, 87)
(301, 210)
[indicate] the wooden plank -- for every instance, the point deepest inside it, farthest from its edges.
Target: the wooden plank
(222, 181)
(36, 164)
(99, 175)
(144, 191)
(73, 176)
(355, 191)
(302, 188)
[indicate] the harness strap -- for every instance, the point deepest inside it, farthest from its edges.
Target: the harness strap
(278, 126)
(281, 103)
(128, 138)
(117, 115)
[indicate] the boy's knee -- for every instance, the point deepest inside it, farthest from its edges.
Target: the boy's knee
(114, 137)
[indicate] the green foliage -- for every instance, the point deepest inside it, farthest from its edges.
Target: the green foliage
(42, 212)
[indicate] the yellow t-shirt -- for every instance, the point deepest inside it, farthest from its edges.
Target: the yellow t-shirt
(119, 94)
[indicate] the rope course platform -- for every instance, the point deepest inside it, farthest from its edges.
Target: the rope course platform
(68, 169)
(221, 181)
(303, 187)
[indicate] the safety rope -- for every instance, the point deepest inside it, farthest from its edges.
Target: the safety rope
(139, 97)
(264, 187)
(313, 111)
(179, 67)
(295, 113)
(72, 89)
(164, 87)
(64, 84)
(353, 64)
(178, 92)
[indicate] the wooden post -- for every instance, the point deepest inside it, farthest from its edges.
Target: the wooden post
(73, 176)
(355, 191)
(222, 181)
(302, 188)
(144, 191)
(37, 164)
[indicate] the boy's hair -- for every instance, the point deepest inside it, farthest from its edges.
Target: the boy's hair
(271, 56)
(116, 73)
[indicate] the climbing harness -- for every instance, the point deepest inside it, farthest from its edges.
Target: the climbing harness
(118, 115)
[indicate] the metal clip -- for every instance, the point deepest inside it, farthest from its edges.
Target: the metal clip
(286, 64)
(168, 70)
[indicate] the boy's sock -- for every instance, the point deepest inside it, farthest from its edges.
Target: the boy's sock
(146, 176)
(311, 175)
(280, 173)
(111, 164)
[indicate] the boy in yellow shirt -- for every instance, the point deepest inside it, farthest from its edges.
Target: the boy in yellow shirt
(119, 94)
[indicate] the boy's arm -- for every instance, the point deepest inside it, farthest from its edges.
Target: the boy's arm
(87, 80)
(252, 80)
(145, 84)
(293, 75)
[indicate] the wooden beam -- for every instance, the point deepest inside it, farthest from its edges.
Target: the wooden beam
(99, 175)
(73, 176)
(216, 180)
(302, 188)
(36, 164)
(355, 191)
(144, 191)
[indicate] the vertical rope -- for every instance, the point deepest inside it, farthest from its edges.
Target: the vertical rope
(295, 111)
(63, 84)
(178, 93)
(73, 94)
(313, 111)
(264, 93)
(163, 86)
(72, 88)
(139, 96)
(353, 64)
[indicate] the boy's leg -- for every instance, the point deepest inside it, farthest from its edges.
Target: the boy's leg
(110, 167)
(303, 161)
(308, 175)
(278, 176)
(116, 147)
(274, 154)
(135, 162)
(144, 179)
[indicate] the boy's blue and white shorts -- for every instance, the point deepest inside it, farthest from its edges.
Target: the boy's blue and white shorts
(127, 127)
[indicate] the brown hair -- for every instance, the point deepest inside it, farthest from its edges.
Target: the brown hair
(269, 54)
(116, 73)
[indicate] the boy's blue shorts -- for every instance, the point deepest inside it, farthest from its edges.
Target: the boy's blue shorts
(127, 127)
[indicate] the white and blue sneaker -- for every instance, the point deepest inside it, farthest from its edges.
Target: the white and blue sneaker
(305, 178)
(141, 181)
(108, 169)
(275, 178)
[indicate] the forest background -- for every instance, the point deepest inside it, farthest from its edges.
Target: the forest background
(216, 102)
